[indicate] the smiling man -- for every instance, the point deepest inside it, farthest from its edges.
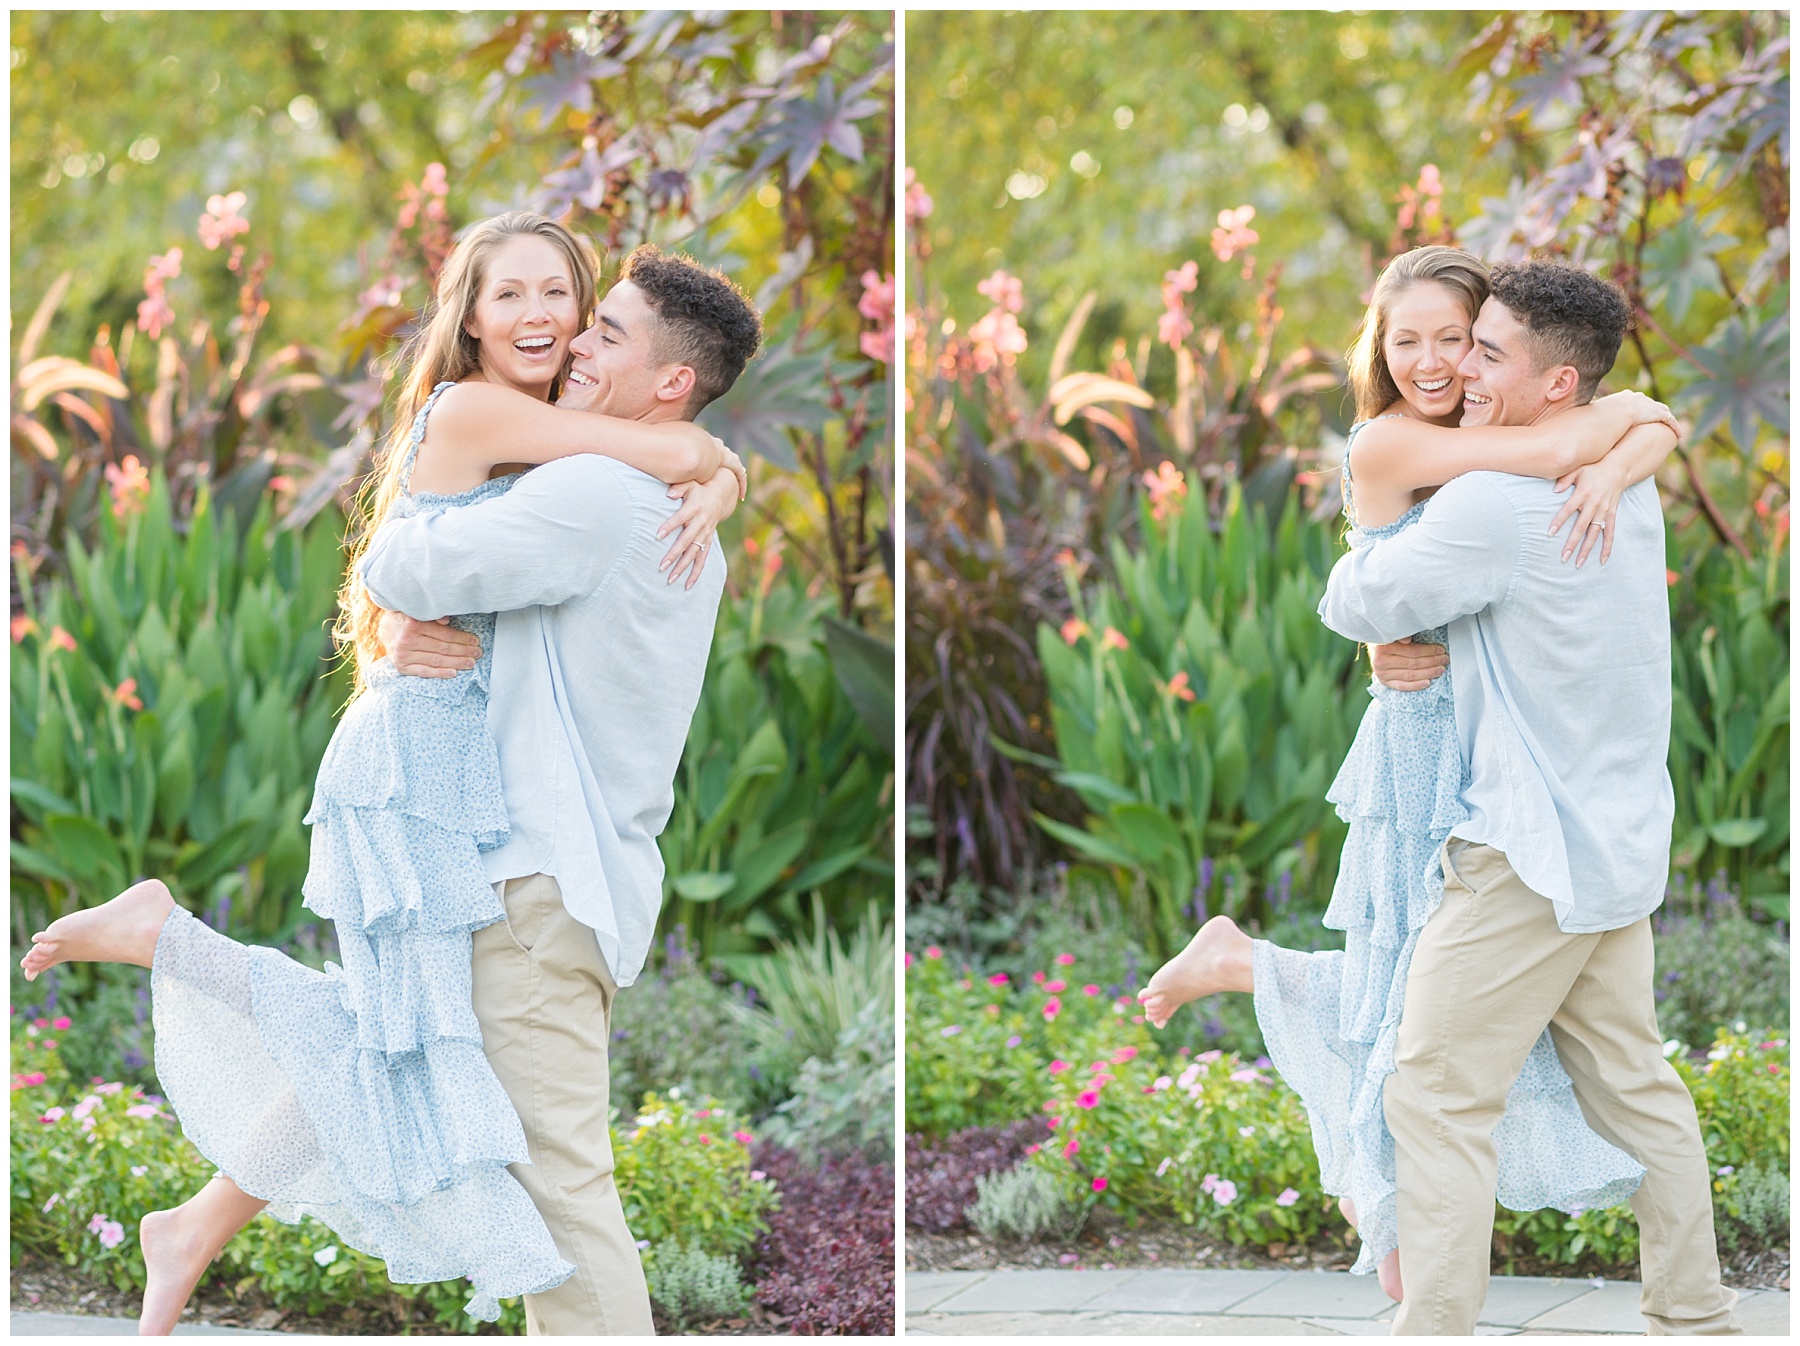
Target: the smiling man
(597, 667)
(1562, 704)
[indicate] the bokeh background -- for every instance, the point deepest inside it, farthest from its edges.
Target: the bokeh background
(1139, 245)
(223, 225)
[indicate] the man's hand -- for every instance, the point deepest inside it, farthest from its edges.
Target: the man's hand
(427, 649)
(703, 508)
(1407, 667)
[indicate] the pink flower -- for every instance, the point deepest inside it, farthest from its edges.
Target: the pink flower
(1123, 1055)
(436, 182)
(1163, 1167)
(1072, 1149)
(61, 639)
(1184, 281)
(52, 1115)
(143, 1110)
(1207, 1057)
(918, 204)
(877, 305)
(139, 1170)
(949, 1030)
(221, 222)
(125, 694)
(1087, 1098)
(1014, 1040)
(1168, 489)
(1038, 977)
(998, 979)
(1056, 987)
(705, 1139)
(1210, 1181)
(1112, 640)
(87, 1105)
(1033, 1148)
(54, 1198)
(1057, 1067)
(61, 1023)
(108, 1090)
(1099, 1184)
(112, 1234)
(1052, 1008)
(1178, 686)
(164, 268)
(1006, 292)
(1173, 326)
(909, 960)
(23, 626)
(757, 1175)
(1160, 1083)
(1288, 1197)
(1224, 1191)
(1234, 234)
(1247, 1075)
(704, 1112)
(933, 952)
(1090, 989)
(742, 1137)
(997, 339)
(1074, 629)
(1065, 959)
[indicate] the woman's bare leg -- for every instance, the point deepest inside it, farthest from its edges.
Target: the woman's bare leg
(123, 930)
(1218, 958)
(180, 1244)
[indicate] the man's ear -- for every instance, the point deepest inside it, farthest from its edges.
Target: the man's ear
(1562, 383)
(675, 384)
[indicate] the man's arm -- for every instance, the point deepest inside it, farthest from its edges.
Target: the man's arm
(551, 538)
(1457, 559)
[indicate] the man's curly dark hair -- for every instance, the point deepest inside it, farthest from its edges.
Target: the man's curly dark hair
(1572, 317)
(704, 320)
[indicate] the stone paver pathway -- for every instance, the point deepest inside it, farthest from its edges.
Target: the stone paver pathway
(84, 1325)
(1265, 1303)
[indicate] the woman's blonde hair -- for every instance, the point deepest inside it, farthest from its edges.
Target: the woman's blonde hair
(440, 350)
(1462, 273)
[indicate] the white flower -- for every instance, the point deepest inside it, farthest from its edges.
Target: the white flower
(675, 1091)
(1670, 1047)
(1718, 1053)
(326, 1255)
(1246, 1130)
(139, 1170)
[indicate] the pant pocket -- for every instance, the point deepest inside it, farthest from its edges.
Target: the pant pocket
(524, 903)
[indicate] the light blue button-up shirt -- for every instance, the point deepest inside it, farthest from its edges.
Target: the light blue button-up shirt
(1561, 678)
(597, 669)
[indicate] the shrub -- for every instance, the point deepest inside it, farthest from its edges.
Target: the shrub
(1024, 1203)
(826, 1264)
(684, 1172)
(695, 1286)
(813, 990)
(680, 1027)
(1715, 965)
(1757, 1208)
(942, 1181)
(848, 1099)
(175, 724)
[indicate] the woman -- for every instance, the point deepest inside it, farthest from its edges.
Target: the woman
(361, 1095)
(1329, 1019)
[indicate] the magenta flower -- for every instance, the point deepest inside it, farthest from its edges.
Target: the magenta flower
(998, 979)
(909, 960)
(933, 952)
(742, 1137)
(1123, 1055)
(705, 1139)
(1065, 959)
(1052, 1008)
(61, 1023)
(52, 1115)
(1288, 1197)
(1099, 1184)
(1072, 1149)
(1038, 977)
(1014, 1040)
(1090, 989)
(1057, 1067)
(1087, 1098)
(1056, 987)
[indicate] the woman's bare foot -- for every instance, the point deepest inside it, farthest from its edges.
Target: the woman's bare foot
(1388, 1273)
(179, 1245)
(175, 1256)
(1216, 959)
(123, 930)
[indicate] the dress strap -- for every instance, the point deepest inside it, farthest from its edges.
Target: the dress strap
(418, 434)
(1349, 439)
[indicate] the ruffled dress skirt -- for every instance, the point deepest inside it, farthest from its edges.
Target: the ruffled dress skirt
(1329, 1019)
(360, 1095)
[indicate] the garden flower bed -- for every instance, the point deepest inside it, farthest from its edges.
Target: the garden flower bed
(1114, 1149)
(88, 1160)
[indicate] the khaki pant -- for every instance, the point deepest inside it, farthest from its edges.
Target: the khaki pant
(1491, 969)
(544, 997)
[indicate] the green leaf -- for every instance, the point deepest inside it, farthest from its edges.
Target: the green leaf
(1733, 832)
(1088, 783)
(83, 846)
(1746, 380)
(1147, 831)
(702, 887)
(1087, 843)
(1679, 265)
(34, 796)
(864, 667)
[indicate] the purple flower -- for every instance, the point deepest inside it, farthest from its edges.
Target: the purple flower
(1014, 1040)
(950, 1031)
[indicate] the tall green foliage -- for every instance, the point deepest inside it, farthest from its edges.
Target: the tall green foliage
(170, 702)
(1201, 708)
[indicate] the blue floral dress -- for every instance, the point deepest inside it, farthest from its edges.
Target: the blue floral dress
(1329, 1019)
(360, 1095)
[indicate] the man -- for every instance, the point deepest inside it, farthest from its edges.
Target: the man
(1562, 705)
(597, 667)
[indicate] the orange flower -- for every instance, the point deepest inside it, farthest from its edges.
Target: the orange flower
(1178, 686)
(23, 626)
(1673, 577)
(1074, 629)
(125, 694)
(1112, 640)
(61, 639)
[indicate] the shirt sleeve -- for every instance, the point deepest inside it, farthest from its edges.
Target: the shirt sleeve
(554, 536)
(1458, 559)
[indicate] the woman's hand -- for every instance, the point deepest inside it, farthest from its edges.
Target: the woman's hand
(704, 507)
(427, 649)
(1407, 667)
(1594, 505)
(735, 466)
